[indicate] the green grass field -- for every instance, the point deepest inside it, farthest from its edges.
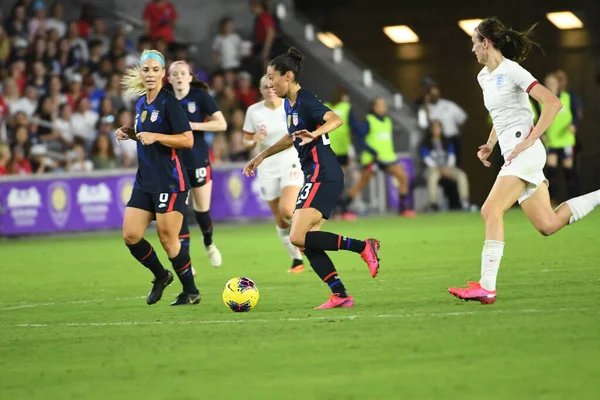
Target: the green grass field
(74, 323)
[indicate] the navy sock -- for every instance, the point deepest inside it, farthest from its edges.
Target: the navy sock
(402, 203)
(206, 226)
(145, 254)
(323, 266)
(317, 240)
(184, 234)
(182, 264)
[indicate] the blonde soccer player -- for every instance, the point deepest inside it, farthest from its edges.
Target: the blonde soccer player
(280, 176)
(161, 130)
(506, 87)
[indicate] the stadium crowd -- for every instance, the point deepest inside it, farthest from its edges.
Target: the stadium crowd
(60, 91)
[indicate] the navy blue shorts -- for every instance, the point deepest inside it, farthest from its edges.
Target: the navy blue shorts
(323, 196)
(197, 165)
(158, 203)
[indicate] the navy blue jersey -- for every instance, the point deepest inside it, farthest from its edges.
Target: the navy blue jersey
(198, 105)
(160, 169)
(319, 162)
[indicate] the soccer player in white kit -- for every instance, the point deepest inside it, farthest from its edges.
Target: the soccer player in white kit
(280, 176)
(506, 86)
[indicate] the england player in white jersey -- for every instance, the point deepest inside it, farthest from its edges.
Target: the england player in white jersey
(280, 176)
(506, 86)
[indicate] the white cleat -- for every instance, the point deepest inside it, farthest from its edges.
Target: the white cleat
(214, 256)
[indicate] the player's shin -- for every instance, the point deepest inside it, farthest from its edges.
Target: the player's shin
(145, 254)
(327, 241)
(182, 264)
(323, 266)
(206, 226)
(490, 263)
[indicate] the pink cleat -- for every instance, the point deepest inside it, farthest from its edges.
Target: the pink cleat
(474, 291)
(335, 301)
(370, 256)
(349, 216)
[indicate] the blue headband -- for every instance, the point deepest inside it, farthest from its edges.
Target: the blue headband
(154, 56)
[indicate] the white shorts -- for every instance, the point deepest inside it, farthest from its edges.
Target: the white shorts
(271, 186)
(529, 166)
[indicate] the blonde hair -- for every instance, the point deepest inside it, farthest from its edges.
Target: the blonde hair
(132, 80)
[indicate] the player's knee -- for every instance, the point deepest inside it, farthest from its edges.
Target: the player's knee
(297, 238)
(131, 237)
(546, 228)
(490, 213)
(286, 213)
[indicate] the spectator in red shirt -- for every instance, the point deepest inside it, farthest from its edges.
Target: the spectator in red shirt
(264, 29)
(245, 93)
(159, 20)
(19, 165)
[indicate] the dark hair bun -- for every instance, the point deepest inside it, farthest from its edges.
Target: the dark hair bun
(295, 55)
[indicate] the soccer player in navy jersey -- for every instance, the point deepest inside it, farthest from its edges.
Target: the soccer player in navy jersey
(161, 129)
(205, 116)
(308, 122)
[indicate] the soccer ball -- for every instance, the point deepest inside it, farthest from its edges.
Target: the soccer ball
(240, 294)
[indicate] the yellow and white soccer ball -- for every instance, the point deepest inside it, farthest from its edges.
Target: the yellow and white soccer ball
(240, 294)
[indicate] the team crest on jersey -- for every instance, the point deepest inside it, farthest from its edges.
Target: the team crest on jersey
(499, 80)
(295, 119)
(154, 116)
(143, 116)
(192, 107)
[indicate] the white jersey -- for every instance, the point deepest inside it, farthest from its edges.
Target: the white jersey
(271, 126)
(506, 97)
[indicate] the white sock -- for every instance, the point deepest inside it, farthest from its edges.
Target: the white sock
(284, 235)
(490, 263)
(583, 205)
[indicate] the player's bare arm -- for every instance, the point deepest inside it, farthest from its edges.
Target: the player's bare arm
(282, 144)
(332, 122)
(215, 123)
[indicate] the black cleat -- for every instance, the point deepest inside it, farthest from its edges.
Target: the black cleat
(186, 299)
(159, 287)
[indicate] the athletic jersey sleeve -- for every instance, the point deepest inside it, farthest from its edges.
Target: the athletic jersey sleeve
(176, 117)
(317, 110)
(249, 125)
(206, 102)
(521, 77)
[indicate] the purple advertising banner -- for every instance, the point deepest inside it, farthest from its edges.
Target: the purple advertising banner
(393, 186)
(67, 204)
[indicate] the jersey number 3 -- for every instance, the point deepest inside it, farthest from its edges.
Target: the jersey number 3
(304, 192)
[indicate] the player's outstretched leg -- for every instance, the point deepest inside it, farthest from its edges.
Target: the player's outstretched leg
(135, 222)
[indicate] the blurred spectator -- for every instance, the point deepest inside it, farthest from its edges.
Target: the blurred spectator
(38, 22)
(99, 34)
(55, 92)
(220, 149)
(10, 92)
(75, 91)
(56, 22)
(264, 30)
(450, 115)
(245, 93)
(114, 91)
(103, 153)
(81, 163)
(19, 164)
(84, 120)
(4, 46)
(64, 124)
(440, 158)
(84, 24)
(5, 157)
(78, 48)
(227, 46)
(227, 101)
(17, 27)
(17, 72)
(38, 78)
(28, 103)
(159, 20)
(216, 85)
(238, 151)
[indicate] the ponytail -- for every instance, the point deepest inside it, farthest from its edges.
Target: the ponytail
(513, 45)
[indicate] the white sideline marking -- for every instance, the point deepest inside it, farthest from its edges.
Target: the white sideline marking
(58, 303)
(298, 319)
